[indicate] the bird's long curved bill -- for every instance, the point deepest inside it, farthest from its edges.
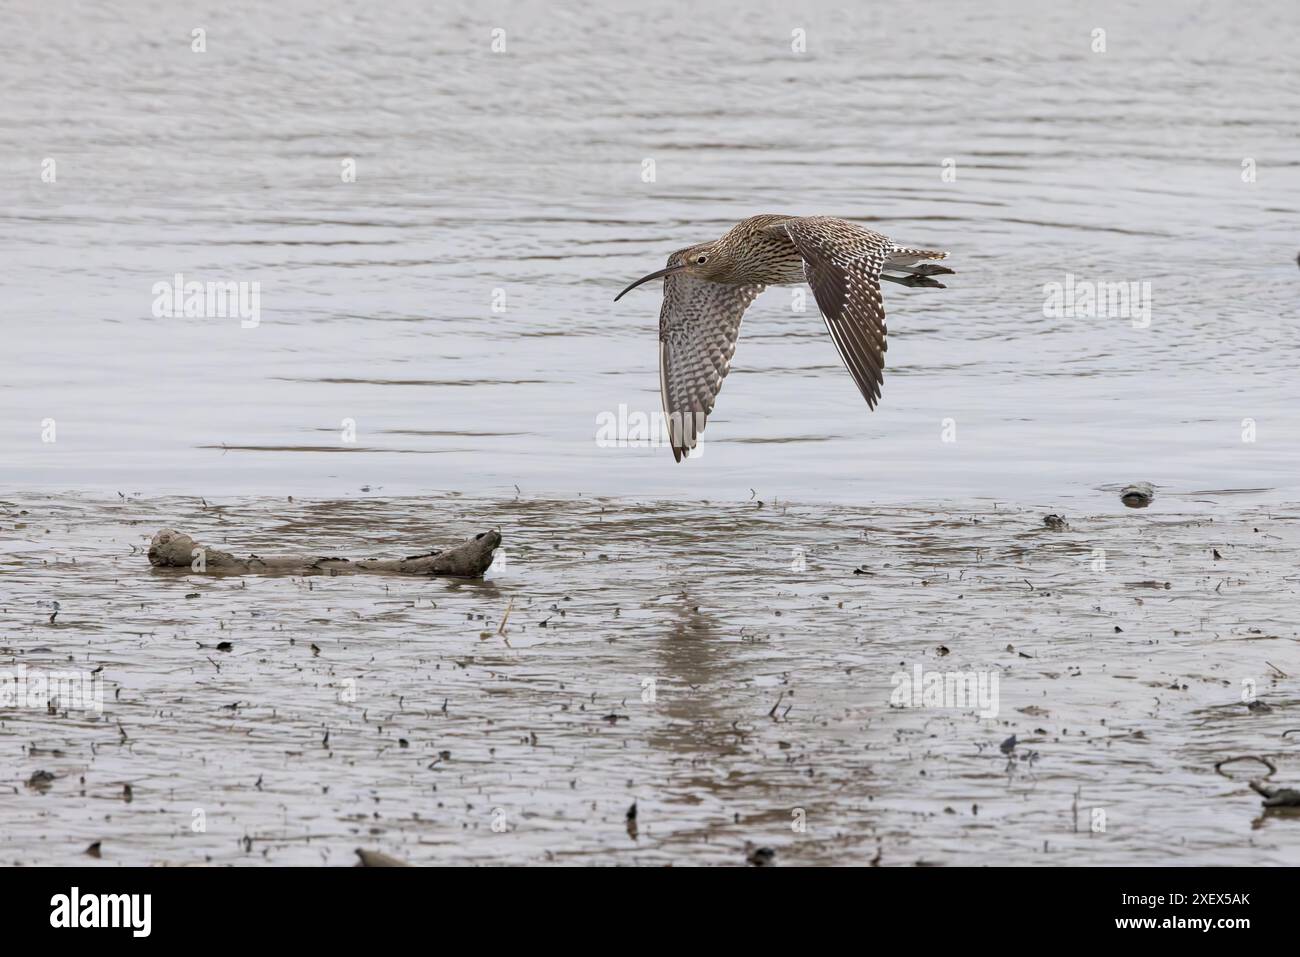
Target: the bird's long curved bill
(654, 275)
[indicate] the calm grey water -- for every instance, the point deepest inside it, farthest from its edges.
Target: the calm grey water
(522, 171)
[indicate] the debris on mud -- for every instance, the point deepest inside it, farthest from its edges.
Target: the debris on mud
(470, 559)
(1276, 797)
(377, 859)
(1137, 495)
(759, 856)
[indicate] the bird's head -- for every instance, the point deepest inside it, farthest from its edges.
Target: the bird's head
(705, 261)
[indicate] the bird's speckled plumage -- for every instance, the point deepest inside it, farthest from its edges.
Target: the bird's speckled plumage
(710, 286)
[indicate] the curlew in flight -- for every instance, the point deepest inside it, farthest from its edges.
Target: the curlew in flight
(708, 287)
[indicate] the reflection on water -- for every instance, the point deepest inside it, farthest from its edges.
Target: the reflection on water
(455, 297)
(731, 670)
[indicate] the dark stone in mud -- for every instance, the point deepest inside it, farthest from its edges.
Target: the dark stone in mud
(759, 856)
(470, 559)
(1137, 495)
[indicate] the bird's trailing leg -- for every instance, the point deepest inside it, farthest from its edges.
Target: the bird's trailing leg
(918, 275)
(915, 280)
(923, 269)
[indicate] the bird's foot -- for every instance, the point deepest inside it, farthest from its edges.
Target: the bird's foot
(915, 281)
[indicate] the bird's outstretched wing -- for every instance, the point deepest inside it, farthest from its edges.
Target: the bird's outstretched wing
(842, 262)
(698, 327)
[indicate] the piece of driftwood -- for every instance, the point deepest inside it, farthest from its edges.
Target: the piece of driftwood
(1218, 765)
(1276, 797)
(173, 549)
(1137, 495)
(1273, 797)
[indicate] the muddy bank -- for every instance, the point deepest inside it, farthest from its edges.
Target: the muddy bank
(745, 674)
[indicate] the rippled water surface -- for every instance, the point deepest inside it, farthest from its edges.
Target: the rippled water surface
(522, 172)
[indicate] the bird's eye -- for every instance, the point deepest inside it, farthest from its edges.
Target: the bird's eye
(701, 260)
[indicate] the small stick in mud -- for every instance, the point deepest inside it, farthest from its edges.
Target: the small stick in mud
(1276, 797)
(470, 559)
(1218, 765)
(1273, 797)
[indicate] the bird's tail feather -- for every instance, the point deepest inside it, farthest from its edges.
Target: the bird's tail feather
(911, 263)
(909, 256)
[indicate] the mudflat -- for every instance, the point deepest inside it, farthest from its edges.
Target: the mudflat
(732, 668)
